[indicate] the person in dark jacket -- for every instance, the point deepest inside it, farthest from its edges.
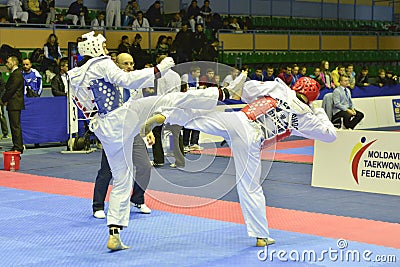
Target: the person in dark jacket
(77, 11)
(124, 46)
(13, 98)
(362, 77)
(184, 43)
(59, 83)
(154, 16)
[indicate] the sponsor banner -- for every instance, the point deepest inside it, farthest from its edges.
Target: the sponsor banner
(366, 161)
(396, 109)
(378, 111)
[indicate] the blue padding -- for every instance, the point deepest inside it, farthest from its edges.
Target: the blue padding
(44, 120)
(368, 91)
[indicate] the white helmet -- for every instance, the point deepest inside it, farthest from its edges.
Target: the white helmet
(92, 46)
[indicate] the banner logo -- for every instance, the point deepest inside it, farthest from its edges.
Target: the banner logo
(396, 109)
(356, 154)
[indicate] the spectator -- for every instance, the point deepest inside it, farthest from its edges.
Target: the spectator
(286, 75)
(140, 23)
(52, 50)
(176, 22)
(302, 71)
(183, 44)
(247, 25)
(13, 98)
(32, 79)
(154, 16)
(391, 78)
(192, 15)
(139, 56)
(362, 77)
(77, 11)
(34, 10)
(191, 137)
(192, 78)
(210, 51)
(326, 75)
(258, 74)
(16, 11)
(169, 40)
(48, 7)
(59, 84)
(230, 77)
(113, 13)
(130, 13)
(234, 24)
(199, 41)
(217, 78)
(124, 46)
(295, 74)
(269, 76)
(162, 47)
(381, 80)
(351, 74)
(336, 73)
(215, 23)
(205, 10)
(61, 21)
(168, 83)
(52, 56)
(208, 80)
(343, 105)
(317, 76)
(97, 23)
(225, 26)
(3, 121)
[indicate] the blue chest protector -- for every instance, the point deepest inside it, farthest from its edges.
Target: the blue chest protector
(106, 96)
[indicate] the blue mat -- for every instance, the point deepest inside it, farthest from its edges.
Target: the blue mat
(307, 150)
(287, 185)
(50, 230)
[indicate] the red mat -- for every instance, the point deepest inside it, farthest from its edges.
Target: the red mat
(268, 154)
(330, 226)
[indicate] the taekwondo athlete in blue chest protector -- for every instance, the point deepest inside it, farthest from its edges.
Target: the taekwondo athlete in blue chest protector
(94, 88)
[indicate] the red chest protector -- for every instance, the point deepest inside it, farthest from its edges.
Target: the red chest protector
(267, 106)
(259, 107)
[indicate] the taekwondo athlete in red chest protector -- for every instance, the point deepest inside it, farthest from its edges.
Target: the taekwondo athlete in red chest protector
(274, 112)
(94, 88)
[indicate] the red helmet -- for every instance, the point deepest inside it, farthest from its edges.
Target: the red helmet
(308, 87)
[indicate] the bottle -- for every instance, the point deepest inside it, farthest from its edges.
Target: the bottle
(12, 164)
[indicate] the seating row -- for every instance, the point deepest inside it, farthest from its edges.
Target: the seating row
(319, 24)
(231, 58)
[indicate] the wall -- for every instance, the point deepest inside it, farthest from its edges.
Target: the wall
(17, 37)
(312, 9)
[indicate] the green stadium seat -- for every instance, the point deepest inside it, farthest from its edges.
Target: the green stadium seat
(24, 55)
(267, 22)
(275, 22)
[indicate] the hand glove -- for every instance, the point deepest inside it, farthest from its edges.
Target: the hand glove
(166, 64)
